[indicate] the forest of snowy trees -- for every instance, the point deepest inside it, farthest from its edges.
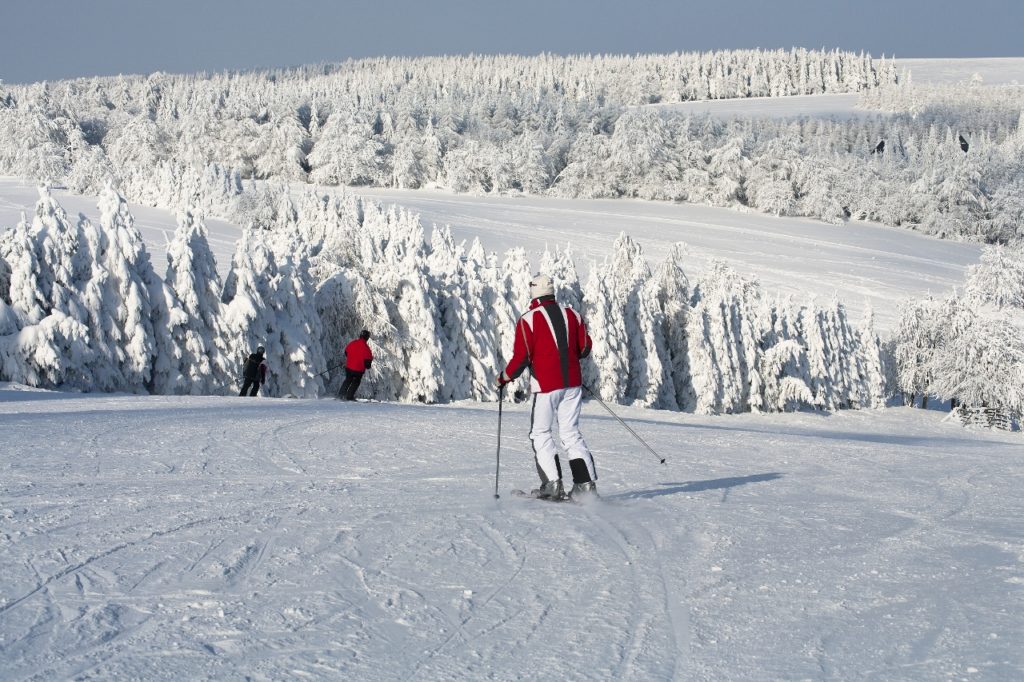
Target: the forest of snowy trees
(82, 307)
(968, 348)
(564, 126)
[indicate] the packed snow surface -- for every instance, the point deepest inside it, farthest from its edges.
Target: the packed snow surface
(222, 538)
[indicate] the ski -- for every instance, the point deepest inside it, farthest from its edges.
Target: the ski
(523, 493)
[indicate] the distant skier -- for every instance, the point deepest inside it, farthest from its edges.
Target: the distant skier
(254, 372)
(551, 339)
(358, 358)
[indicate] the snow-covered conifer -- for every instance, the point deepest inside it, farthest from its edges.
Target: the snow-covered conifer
(401, 277)
(347, 153)
(248, 291)
(515, 272)
(607, 372)
(649, 374)
(119, 306)
(487, 312)
(296, 331)
(45, 341)
(561, 268)
(201, 367)
(347, 304)
(448, 285)
(281, 149)
(718, 360)
(872, 380)
(673, 295)
(999, 277)
(781, 372)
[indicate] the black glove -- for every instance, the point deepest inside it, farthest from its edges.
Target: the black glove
(367, 363)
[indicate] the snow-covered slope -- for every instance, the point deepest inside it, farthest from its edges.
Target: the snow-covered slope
(813, 106)
(156, 226)
(860, 262)
(220, 538)
(993, 70)
(998, 71)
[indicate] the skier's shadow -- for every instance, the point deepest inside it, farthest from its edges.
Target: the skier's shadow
(696, 486)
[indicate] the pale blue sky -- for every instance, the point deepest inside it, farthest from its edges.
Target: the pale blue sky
(49, 39)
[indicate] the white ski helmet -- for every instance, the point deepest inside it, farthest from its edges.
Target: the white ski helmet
(541, 285)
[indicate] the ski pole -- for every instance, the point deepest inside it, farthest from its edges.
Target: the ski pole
(330, 369)
(497, 466)
(635, 435)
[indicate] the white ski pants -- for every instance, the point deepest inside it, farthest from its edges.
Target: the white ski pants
(561, 406)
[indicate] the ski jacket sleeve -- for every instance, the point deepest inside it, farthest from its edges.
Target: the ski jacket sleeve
(263, 372)
(521, 351)
(583, 337)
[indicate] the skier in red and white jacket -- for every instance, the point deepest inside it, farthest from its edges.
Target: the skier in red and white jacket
(551, 339)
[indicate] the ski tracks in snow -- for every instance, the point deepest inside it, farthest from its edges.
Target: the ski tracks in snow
(660, 611)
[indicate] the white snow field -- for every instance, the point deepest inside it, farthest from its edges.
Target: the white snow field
(224, 538)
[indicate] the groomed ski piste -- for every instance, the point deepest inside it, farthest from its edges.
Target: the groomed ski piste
(230, 538)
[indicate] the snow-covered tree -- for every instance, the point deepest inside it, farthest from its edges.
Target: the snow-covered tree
(873, 389)
(45, 341)
(248, 320)
(915, 341)
(449, 286)
(999, 277)
(488, 312)
(200, 365)
(296, 331)
(117, 299)
(673, 295)
(782, 367)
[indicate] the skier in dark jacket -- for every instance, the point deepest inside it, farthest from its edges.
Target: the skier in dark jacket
(551, 338)
(254, 372)
(358, 358)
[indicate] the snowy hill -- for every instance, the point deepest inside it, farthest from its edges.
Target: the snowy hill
(859, 262)
(222, 538)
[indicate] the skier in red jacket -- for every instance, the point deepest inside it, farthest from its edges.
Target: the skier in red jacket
(358, 358)
(551, 339)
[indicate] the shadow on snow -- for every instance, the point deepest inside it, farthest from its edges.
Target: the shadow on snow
(696, 486)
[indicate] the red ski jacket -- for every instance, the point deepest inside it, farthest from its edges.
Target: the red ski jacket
(550, 340)
(358, 356)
